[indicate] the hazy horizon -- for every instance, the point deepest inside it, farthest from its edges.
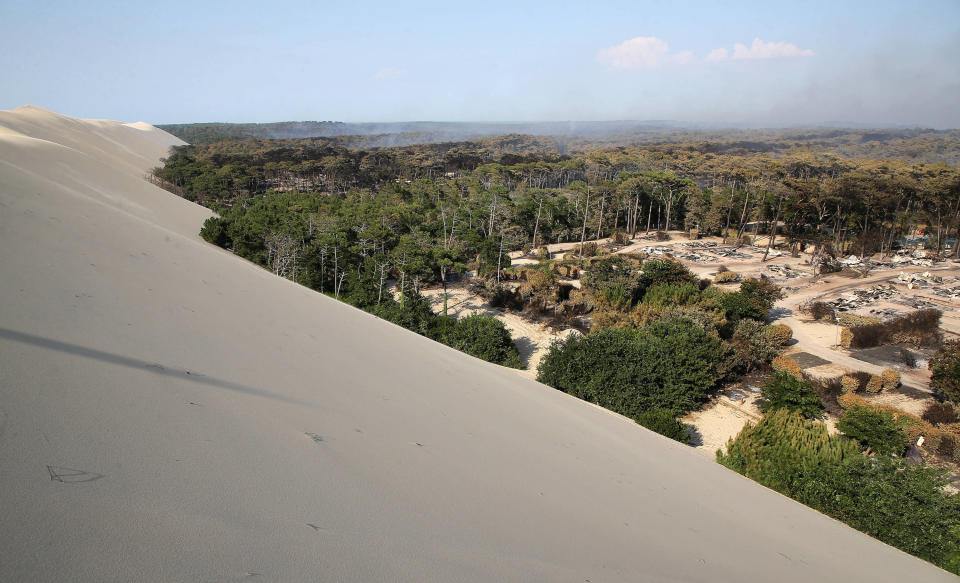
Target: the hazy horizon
(855, 64)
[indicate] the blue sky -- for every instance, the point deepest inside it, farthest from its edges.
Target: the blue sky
(781, 63)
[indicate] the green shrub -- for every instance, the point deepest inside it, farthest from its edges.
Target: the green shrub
(672, 294)
(786, 391)
(762, 292)
(213, 231)
(781, 447)
(484, 337)
(945, 365)
(671, 364)
(414, 313)
(666, 270)
(615, 279)
(736, 306)
(874, 429)
(752, 346)
(902, 505)
(665, 423)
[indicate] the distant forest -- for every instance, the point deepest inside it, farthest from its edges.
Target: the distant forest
(918, 145)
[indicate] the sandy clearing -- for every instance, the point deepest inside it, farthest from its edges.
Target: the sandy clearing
(169, 412)
(721, 420)
(532, 339)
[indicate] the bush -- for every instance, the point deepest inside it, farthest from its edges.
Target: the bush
(672, 364)
(846, 337)
(621, 238)
(587, 249)
(818, 310)
(850, 384)
(215, 232)
(665, 423)
(727, 277)
(920, 328)
(782, 446)
(484, 337)
(945, 365)
(672, 294)
(737, 306)
(909, 358)
(752, 346)
(787, 365)
(854, 321)
(874, 385)
(936, 439)
(877, 430)
(940, 413)
(902, 505)
(666, 270)
(785, 391)
(889, 379)
(779, 334)
(762, 292)
(615, 280)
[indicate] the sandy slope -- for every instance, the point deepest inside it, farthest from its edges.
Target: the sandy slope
(169, 412)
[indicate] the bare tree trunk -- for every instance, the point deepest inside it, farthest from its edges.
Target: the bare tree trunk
(583, 232)
(669, 207)
(726, 230)
(500, 255)
(773, 231)
(743, 220)
(443, 280)
(536, 224)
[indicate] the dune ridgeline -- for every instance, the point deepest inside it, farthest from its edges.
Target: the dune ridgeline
(170, 412)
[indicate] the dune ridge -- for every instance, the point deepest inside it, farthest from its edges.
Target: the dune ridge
(170, 412)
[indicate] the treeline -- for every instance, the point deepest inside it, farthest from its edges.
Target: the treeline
(839, 206)
(915, 145)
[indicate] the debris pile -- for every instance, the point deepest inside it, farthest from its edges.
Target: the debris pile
(785, 272)
(729, 253)
(697, 257)
(919, 280)
(859, 298)
(657, 250)
(947, 292)
(918, 257)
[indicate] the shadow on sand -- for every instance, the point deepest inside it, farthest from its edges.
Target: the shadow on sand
(136, 363)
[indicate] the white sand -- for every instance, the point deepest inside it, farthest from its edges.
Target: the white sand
(169, 412)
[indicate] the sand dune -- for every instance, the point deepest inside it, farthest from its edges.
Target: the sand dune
(169, 412)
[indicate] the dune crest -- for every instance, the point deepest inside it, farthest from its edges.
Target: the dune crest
(170, 412)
